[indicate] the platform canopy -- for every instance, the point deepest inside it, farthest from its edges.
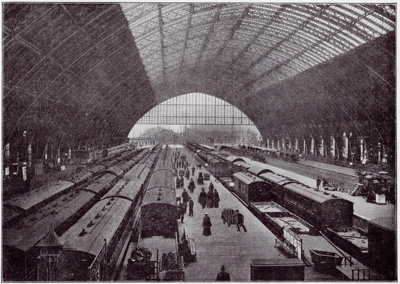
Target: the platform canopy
(79, 72)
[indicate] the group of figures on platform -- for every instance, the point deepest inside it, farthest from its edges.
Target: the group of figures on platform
(182, 170)
(209, 199)
(186, 201)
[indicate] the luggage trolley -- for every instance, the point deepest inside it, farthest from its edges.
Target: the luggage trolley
(228, 215)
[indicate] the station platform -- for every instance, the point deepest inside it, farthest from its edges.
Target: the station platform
(329, 167)
(229, 247)
(226, 246)
(362, 208)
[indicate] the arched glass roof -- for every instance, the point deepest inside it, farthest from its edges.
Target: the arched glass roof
(195, 109)
(252, 44)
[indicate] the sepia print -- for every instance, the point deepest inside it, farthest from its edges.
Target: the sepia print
(199, 142)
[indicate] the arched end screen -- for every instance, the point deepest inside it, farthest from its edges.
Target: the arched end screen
(195, 109)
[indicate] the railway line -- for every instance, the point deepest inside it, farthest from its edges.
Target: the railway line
(118, 221)
(281, 201)
(59, 211)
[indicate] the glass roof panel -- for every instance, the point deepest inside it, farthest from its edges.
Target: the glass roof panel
(220, 34)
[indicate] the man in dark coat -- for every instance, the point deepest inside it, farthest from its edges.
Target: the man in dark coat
(211, 187)
(240, 221)
(318, 183)
(182, 210)
(216, 198)
(206, 225)
(203, 198)
(210, 199)
(223, 275)
(185, 197)
(191, 186)
(193, 169)
(191, 204)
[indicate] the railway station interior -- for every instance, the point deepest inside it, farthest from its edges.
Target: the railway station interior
(199, 142)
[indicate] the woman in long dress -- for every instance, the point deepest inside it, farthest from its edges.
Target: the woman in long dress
(210, 199)
(203, 198)
(206, 225)
(216, 198)
(191, 186)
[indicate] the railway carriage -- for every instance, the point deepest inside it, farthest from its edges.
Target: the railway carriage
(158, 237)
(319, 208)
(251, 188)
(219, 167)
(58, 207)
(93, 244)
(159, 211)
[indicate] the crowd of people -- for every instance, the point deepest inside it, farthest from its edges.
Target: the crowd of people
(207, 200)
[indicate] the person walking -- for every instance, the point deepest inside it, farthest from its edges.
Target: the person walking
(191, 186)
(206, 225)
(193, 169)
(191, 204)
(210, 199)
(223, 275)
(216, 198)
(185, 197)
(203, 198)
(211, 187)
(318, 183)
(240, 221)
(182, 211)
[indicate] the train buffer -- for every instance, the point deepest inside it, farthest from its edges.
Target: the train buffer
(353, 270)
(353, 273)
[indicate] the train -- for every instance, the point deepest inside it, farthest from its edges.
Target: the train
(159, 203)
(23, 205)
(260, 154)
(253, 183)
(101, 155)
(58, 211)
(94, 243)
(215, 162)
(157, 256)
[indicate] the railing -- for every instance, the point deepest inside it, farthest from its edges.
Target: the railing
(347, 261)
(365, 273)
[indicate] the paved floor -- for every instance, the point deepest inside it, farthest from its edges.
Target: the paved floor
(226, 246)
